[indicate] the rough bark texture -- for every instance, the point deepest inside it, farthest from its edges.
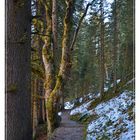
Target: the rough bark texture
(18, 94)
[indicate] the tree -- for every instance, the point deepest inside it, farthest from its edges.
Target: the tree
(102, 61)
(18, 48)
(116, 44)
(54, 87)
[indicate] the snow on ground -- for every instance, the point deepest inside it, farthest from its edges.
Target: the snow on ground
(71, 104)
(81, 109)
(59, 113)
(114, 122)
(68, 105)
(115, 118)
(118, 81)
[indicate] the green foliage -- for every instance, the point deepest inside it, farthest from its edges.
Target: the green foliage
(75, 117)
(104, 137)
(12, 88)
(19, 4)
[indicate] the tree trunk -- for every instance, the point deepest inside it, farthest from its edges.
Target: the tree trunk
(102, 68)
(41, 113)
(35, 118)
(47, 55)
(18, 94)
(54, 24)
(106, 71)
(115, 51)
(53, 99)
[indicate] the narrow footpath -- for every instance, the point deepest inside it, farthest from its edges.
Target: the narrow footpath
(68, 130)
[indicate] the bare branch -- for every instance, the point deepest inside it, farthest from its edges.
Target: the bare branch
(37, 33)
(79, 24)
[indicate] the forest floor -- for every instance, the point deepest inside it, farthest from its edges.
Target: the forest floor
(68, 129)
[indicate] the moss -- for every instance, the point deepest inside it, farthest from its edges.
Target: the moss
(24, 38)
(12, 88)
(131, 113)
(18, 4)
(52, 115)
(104, 137)
(85, 132)
(48, 84)
(117, 133)
(75, 117)
(109, 123)
(46, 51)
(88, 119)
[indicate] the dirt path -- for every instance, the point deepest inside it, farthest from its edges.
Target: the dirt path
(68, 130)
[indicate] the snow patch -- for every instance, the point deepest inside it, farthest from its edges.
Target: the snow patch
(59, 113)
(81, 109)
(68, 105)
(114, 122)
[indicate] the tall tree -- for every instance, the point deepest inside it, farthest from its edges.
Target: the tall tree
(102, 61)
(115, 51)
(18, 47)
(54, 87)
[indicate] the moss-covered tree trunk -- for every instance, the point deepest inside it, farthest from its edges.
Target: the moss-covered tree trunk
(52, 94)
(47, 55)
(34, 107)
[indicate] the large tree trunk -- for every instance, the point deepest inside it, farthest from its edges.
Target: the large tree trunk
(18, 94)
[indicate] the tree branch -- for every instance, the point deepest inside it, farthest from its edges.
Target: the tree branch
(79, 24)
(37, 33)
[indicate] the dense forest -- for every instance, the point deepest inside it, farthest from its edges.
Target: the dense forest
(64, 59)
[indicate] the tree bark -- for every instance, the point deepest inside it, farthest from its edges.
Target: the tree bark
(53, 99)
(102, 68)
(115, 51)
(18, 47)
(54, 24)
(35, 117)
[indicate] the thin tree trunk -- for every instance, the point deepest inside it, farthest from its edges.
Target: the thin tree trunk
(115, 47)
(18, 94)
(102, 68)
(35, 117)
(106, 71)
(54, 24)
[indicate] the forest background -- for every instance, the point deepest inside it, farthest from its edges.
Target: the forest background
(2, 62)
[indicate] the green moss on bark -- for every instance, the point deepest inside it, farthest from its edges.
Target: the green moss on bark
(12, 88)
